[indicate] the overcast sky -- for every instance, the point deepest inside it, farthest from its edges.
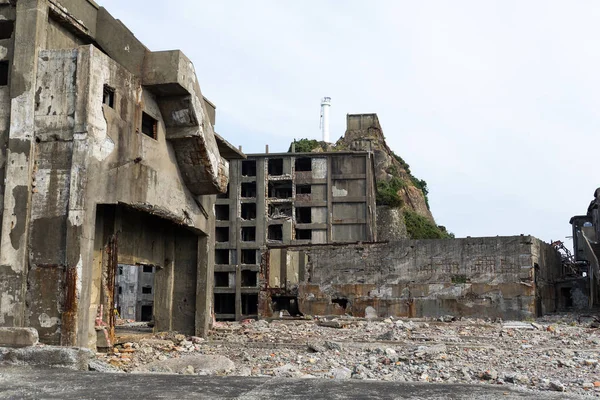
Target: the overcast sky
(494, 103)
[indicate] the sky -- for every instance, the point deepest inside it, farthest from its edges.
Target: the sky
(495, 104)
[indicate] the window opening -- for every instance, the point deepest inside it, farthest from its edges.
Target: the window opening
(303, 215)
(280, 210)
(275, 232)
(224, 195)
(222, 234)
(275, 166)
(149, 125)
(249, 278)
(249, 168)
(303, 164)
(280, 189)
(146, 313)
(249, 189)
(225, 303)
(148, 269)
(222, 212)
(4, 73)
(222, 279)
(6, 29)
(248, 234)
(146, 289)
(248, 256)
(108, 96)
(249, 304)
(303, 234)
(222, 256)
(248, 211)
(303, 189)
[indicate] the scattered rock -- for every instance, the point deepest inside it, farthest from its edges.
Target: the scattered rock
(370, 313)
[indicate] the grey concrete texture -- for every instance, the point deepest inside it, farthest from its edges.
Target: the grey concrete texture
(28, 383)
(195, 364)
(18, 337)
(48, 356)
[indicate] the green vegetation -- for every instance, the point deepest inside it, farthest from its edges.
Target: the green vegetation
(305, 145)
(419, 227)
(419, 183)
(387, 193)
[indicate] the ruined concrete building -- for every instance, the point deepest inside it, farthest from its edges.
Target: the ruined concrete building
(286, 199)
(109, 157)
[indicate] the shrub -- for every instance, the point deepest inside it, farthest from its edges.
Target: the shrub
(305, 145)
(387, 193)
(419, 227)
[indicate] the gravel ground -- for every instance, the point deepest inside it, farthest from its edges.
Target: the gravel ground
(558, 353)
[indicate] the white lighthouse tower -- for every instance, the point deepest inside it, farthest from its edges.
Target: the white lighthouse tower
(325, 104)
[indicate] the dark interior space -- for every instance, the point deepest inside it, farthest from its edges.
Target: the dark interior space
(303, 215)
(303, 189)
(222, 256)
(249, 278)
(249, 189)
(222, 212)
(275, 232)
(146, 313)
(6, 29)
(303, 234)
(249, 256)
(225, 303)
(248, 211)
(222, 234)
(288, 303)
(280, 189)
(341, 302)
(280, 210)
(149, 125)
(249, 304)
(224, 195)
(221, 279)
(249, 168)
(3, 73)
(275, 166)
(303, 164)
(248, 234)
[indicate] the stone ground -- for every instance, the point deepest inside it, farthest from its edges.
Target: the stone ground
(556, 353)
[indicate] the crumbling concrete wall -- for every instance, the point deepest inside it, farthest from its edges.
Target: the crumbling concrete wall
(484, 277)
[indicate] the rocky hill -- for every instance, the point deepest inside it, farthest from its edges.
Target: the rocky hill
(402, 205)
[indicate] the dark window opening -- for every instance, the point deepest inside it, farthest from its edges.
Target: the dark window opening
(222, 256)
(341, 302)
(248, 256)
(249, 304)
(224, 195)
(566, 294)
(120, 270)
(283, 210)
(249, 168)
(225, 303)
(120, 290)
(222, 234)
(303, 215)
(147, 313)
(222, 212)
(248, 234)
(108, 96)
(303, 164)
(287, 303)
(275, 166)
(221, 279)
(149, 125)
(275, 232)
(146, 289)
(4, 73)
(6, 29)
(303, 189)
(303, 234)
(148, 269)
(280, 189)
(248, 211)
(249, 278)
(249, 189)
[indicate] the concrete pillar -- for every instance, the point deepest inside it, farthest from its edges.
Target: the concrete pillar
(206, 270)
(163, 286)
(29, 37)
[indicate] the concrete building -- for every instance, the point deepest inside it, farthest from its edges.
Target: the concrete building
(109, 157)
(507, 277)
(286, 199)
(135, 292)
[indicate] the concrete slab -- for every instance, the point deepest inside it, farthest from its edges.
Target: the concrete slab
(18, 337)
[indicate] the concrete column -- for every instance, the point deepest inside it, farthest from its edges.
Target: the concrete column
(206, 271)
(163, 288)
(29, 37)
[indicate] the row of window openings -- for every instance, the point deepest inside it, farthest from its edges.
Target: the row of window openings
(274, 232)
(248, 212)
(248, 278)
(222, 256)
(275, 166)
(148, 269)
(225, 303)
(280, 190)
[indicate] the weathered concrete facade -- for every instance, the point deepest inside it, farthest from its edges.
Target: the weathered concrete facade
(289, 198)
(109, 157)
(507, 277)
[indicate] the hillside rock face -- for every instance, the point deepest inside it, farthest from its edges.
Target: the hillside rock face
(364, 133)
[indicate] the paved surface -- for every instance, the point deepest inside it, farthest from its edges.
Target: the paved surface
(28, 383)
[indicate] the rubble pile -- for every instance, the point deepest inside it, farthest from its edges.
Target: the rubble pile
(558, 353)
